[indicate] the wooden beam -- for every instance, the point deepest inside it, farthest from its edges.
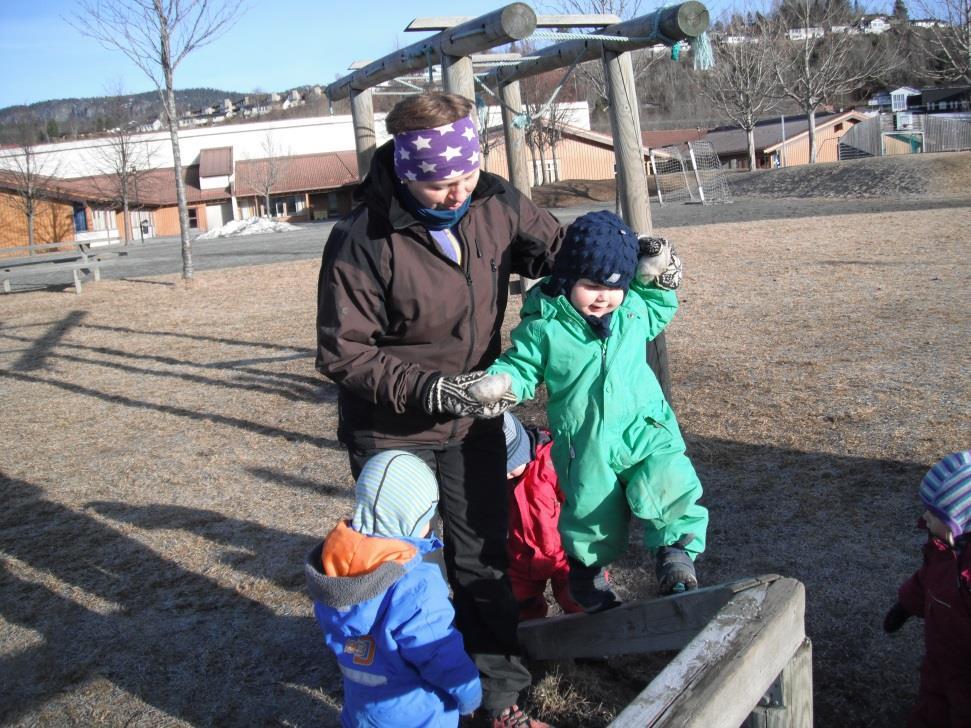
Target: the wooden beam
(721, 675)
(666, 25)
(659, 625)
(512, 22)
(595, 20)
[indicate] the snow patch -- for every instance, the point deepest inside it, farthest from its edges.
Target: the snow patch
(249, 226)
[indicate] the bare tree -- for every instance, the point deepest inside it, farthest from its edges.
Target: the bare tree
(821, 63)
(947, 42)
(157, 35)
(269, 170)
(31, 172)
(592, 72)
(742, 83)
(123, 158)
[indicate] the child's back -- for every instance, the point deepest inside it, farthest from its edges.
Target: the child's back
(383, 605)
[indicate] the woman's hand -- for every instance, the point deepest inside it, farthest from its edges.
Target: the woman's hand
(473, 394)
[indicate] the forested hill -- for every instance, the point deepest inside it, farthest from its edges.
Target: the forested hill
(69, 117)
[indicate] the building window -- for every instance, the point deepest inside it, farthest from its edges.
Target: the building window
(838, 127)
(287, 205)
(193, 217)
(898, 102)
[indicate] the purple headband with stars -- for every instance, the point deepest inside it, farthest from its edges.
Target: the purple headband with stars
(430, 155)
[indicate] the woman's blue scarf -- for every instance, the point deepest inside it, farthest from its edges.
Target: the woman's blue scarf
(432, 219)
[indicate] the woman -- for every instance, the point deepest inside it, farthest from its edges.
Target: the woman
(412, 292)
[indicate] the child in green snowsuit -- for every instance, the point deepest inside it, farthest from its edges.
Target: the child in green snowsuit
(617, 447)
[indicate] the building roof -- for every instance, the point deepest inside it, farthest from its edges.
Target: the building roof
(216, 162)
(670, 137)
(730, 140)
(50, 187)
(300, 173)
(152, 188)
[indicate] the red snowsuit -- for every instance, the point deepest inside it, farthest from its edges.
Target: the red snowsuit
(535, 552)
(940, 592)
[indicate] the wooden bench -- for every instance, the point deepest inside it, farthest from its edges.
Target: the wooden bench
(46, 258)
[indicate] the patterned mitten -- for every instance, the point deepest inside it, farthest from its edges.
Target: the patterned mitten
(452, 396)
(658, 262)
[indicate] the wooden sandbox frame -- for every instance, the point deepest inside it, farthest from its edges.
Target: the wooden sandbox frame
(744, 657)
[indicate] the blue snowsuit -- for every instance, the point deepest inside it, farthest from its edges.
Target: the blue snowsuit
(392, 630)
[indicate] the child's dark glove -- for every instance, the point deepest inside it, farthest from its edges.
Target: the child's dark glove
(658, 262)
(895, 618)
(473, 394)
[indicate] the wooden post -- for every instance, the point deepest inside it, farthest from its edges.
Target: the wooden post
(626, 127)
(457, 75)
(789, 701)
(365, 138)
(517, 159)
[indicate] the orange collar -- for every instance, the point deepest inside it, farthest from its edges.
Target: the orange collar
(349, 553)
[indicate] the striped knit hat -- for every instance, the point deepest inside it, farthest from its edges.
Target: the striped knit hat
(396, 496)
(946, 491)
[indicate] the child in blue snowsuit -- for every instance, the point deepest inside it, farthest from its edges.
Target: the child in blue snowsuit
(382, 603)
(617, 448)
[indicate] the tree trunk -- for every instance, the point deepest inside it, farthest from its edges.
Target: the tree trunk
(125, 209)
(266, 206)
(542, 160)
(750, 134)
(812, 135)
(30, 228)
(173, 121)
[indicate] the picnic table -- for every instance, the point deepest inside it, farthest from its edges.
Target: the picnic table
(82, 260)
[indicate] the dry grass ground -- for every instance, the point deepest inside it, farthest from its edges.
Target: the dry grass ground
(169, 457)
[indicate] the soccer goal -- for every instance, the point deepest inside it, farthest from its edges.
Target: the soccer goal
(711, 177)
(671, 175)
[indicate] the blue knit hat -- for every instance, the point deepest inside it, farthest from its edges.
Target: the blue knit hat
(598, 246)
(946, 491)
(396, 496)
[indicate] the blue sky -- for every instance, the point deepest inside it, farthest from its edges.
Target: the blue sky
(276, 45)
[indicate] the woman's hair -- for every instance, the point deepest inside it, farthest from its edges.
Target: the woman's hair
(427, 111)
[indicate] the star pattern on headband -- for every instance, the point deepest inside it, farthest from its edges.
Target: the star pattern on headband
(451, 152)
(443, 152)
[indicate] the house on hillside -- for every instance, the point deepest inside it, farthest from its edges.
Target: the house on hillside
(783, 143)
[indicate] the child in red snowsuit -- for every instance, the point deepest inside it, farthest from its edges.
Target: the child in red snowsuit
(940, 592)
(535, 552)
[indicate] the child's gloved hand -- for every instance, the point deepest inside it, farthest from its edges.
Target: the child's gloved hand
(658, 262)
(473, 394)
(895, 618)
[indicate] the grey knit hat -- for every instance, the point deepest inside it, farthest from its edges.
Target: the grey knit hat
(518, 450)
(396, 496)
(946, 491)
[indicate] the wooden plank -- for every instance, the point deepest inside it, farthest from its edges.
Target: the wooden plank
(444, 22)
(659, 625)
(721, 675)
(789, 702)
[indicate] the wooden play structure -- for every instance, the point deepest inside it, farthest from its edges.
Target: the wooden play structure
(743, 654)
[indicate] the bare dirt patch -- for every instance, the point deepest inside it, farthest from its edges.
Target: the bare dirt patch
(169, 457)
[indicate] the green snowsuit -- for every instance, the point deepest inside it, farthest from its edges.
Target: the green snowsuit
(617, 448)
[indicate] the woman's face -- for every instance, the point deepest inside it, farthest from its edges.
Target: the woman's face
(445, 194)
(593, 299)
